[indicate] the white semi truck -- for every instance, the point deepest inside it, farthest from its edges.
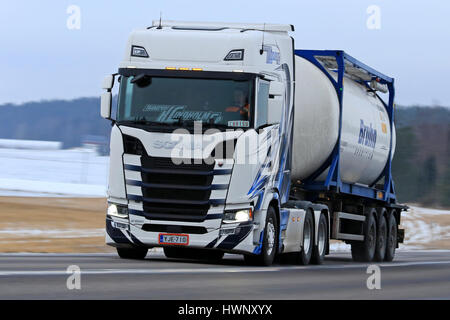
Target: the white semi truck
(226, 139)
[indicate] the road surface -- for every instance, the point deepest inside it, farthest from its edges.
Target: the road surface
(413, 275)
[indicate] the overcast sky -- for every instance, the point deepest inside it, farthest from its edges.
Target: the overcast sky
(40, 58)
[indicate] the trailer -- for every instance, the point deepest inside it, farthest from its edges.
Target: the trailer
(226, 139)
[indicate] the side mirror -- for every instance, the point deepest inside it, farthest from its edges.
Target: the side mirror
(275, 110)
(105, 105)
(108, 82)
(106, 98)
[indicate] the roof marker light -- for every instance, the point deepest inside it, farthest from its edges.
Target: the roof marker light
(183, 68)
(171, 68)
(140, 52)
(197, 69)
(235, 55)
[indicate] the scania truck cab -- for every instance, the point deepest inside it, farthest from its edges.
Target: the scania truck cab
(202, 152)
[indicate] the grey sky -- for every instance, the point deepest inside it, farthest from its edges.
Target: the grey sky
(41, 58)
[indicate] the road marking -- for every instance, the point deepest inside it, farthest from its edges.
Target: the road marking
(136, 271)
(6, 273)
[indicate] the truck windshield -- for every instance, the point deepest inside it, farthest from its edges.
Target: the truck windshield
(177, 101)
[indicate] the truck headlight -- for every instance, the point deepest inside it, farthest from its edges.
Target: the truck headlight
(118, 211)
(242, 215)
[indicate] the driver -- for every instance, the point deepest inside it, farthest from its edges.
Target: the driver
(240, 105)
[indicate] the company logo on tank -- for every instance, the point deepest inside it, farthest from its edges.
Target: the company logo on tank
(367, 135)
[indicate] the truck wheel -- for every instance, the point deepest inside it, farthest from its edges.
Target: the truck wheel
(318, 253)
(380, 248)
(391, 242)
(365, 251)
(304, 256)
(132, 253)
(270, 242)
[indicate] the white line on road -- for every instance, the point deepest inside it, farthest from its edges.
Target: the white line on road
(6, 273)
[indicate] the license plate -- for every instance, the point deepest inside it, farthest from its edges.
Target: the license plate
(173, 238)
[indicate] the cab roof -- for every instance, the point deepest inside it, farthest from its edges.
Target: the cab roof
(193, 25)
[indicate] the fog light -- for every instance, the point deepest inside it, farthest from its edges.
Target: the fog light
(227, 232)
(119, 225)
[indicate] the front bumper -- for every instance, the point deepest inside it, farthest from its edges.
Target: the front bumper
(119, 233)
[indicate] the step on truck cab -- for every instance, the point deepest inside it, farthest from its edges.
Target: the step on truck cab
(226, 139)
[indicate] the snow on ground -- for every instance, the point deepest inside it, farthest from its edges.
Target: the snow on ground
(73, 172)
(426, 228)
(83, 173)
(52, 233)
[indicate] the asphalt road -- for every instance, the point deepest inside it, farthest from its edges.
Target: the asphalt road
(412, 275)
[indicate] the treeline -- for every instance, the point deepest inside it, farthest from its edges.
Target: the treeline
(421, 165)
(68, 121)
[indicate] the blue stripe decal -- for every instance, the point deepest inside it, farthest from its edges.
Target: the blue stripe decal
(132, 167)
(259, 247)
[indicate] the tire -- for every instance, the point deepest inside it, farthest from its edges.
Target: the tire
(318, 253)
(132, 253)
(380, 248)
(391, 242)
(365, 251)
(304, 256)
(270, 242)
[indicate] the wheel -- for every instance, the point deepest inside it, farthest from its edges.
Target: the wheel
(391, 242)
(304, 256)
(318, 253)
(365, 251)
(380, 248)
(132, 253)
(270, 242)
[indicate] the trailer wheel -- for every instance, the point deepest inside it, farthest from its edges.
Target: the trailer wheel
(380, 249)
(391, 242)
(270, 242)
(136, 253)
(318, 253)
(365, 251)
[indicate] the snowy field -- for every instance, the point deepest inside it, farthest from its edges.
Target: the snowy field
(83, 173)
(74, 172)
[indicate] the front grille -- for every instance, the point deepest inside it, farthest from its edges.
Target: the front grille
(171, 190)
(176, 192)
(174, 229)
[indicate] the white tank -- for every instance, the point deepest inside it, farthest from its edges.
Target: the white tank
(366, 132)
